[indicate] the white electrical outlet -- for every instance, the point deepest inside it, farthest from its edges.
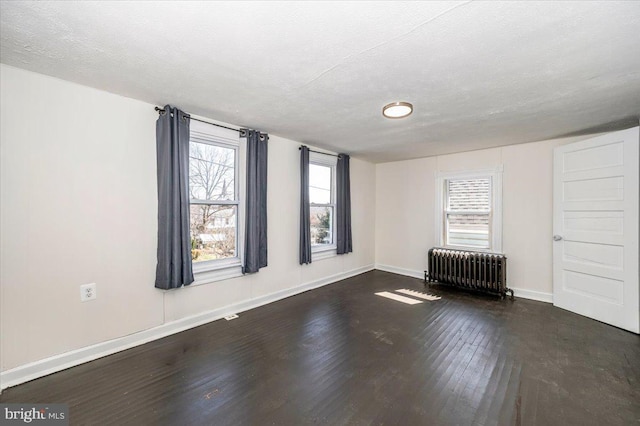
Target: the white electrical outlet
(88, 292)
(230, 317)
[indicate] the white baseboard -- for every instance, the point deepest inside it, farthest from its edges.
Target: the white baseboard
(400, 271)
(44, 367)
(518, 292)
(532, 295)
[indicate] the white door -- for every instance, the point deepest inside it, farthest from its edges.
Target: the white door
(595, 227)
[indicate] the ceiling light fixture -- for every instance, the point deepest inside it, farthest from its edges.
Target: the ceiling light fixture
(397, 110)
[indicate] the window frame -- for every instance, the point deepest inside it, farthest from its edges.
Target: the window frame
(495, 213)
(321, 251)
(219, 269)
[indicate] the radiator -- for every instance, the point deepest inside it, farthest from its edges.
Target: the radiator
(486, 272)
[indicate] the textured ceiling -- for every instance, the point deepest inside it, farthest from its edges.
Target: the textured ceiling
(480, 74)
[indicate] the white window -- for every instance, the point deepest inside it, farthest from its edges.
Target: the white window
(469, 210)
(215, 201)
(322, 199)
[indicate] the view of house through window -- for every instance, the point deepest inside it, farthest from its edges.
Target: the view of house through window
(322, 200)
(467, 213)
(214, 201)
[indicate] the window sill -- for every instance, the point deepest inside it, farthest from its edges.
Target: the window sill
(475, 249)
(206, 275)
(323, 253)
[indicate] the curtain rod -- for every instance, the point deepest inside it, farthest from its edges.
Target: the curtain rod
(323, 153)
(160, 110)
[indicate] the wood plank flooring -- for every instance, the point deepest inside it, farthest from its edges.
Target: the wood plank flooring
(340, 355)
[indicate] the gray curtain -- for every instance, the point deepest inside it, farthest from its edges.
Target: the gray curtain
(305, 224)
(174, 267)
(343, 206)
(255, 243)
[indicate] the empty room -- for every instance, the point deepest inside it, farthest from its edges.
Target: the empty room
(336, 213)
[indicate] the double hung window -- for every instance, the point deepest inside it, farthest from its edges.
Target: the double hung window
(322, 199)
(215, 203)
(469, 210)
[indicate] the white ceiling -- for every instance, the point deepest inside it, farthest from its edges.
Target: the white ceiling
(480, 74)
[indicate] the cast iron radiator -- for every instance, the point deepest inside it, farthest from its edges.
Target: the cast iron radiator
(486, 272)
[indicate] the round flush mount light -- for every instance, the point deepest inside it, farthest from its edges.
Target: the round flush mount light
(397, 110)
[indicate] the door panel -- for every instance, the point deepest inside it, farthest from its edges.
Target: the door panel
(595, 224)
(599, 189)
(595, 255)
(595, 221)
(593, 158)
(594, 287)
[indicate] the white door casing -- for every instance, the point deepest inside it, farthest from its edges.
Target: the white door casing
(595, 228)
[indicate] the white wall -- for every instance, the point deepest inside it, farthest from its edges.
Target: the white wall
(405, 211)
(78, 205)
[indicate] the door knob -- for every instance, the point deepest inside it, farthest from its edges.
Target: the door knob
(557, 238)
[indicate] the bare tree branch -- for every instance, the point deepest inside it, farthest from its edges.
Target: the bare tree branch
(211, 178)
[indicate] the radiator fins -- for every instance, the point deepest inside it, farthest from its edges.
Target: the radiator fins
(478, 271)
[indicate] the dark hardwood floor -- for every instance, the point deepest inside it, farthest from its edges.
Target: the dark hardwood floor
(340, 355)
